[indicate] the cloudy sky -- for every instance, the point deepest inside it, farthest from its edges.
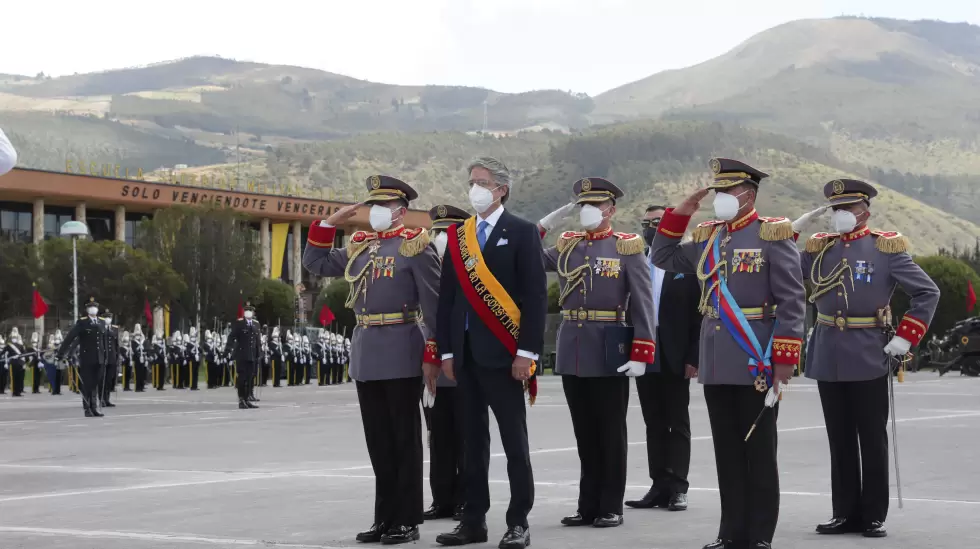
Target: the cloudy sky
(507, 45)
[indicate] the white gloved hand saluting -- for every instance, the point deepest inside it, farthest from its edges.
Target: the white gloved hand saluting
(552, 220)
(633, 368)
(8, 156)
(806, 219)
(898, 346)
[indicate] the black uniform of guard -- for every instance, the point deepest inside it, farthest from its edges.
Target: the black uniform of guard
(112, 359)
(91, 335)
(245, 340)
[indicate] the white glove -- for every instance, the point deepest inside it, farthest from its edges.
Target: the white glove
(772, 397)
(804, 220)
(898, 346)
(428, 398)
(633, 368)
(551, 220)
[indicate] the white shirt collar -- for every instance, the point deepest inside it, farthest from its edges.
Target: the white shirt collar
(492, 218)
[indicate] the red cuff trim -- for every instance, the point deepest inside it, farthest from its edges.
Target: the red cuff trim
(542, 231)
(321, 237)
(431, 355)
(673, 225)
(796, 236)
(643, 351)
(912, 329)
(786, 351)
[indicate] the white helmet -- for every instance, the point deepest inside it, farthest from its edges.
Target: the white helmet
(137, 330)
(35, 339)
(187, 337)
(51, 344)
(15, 335)
(124, 338)
(58, 337)
(175, 337)
(275, 332)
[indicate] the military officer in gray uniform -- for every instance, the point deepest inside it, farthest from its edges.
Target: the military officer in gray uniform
(90, 333)
(753, 307)
(446, 465)
(854, 272)
(394, 275)
(601, 274)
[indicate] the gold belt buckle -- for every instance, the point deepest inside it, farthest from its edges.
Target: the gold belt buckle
(582, 314)
(840, 322)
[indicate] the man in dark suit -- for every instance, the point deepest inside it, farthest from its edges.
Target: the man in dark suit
(245, 340)
(90, 333)
(112, 359)
(665, 391)
(490, 329)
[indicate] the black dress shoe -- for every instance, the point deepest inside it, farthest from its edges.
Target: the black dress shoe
(242, 405)
(678, 502)
(760, 545)
(88, 413)
(464, 534)
(373, 534)
(97, 413)
(720, 544)
(126, 389)
(609, 520)
(517, 537)
(874, 529)
(838, 525)
(109, 405)
(577, 520)
(436, 511)
(250, 405)
(400, 534)
(653, 498)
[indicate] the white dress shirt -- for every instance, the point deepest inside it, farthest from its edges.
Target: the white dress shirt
(492, 220)
(657, 278)
(8, 156)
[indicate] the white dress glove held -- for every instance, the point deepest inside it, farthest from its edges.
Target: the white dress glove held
(898, 346)
(633, 368)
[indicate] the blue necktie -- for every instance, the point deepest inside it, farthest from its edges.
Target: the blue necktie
(481, 237)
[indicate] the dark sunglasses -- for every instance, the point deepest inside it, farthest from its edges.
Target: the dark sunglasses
(648, 223)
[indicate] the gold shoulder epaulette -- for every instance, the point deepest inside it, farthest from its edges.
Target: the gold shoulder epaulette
(816, 243)
(414, 241)
(358, 241)
(628, 243)
(891, 242)
(704, 230)
(567, 240)
(775, 228)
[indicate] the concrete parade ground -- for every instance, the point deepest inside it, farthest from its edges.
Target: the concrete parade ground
(179, 469)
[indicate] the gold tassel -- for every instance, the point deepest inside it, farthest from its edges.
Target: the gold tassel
(629, 244)
(567, 242)
(815, 244)
(892, 244)
(701, 233)
(776, 230)
(412, 247)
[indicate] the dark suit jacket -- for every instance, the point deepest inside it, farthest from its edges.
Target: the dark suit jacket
(247, 342)
(679, 323)
(112, 345)
(519, 268)
(91, 342)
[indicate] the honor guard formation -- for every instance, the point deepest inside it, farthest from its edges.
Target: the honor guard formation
(450, 326)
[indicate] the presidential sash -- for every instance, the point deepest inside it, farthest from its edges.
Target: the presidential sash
(486, 296)
(732, 317)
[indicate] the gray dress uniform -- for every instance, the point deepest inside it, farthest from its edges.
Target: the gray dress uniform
(853, 277)
(760, 264)
(393, 277)
(603, 275)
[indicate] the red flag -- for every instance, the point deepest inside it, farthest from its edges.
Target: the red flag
(326, 315)
(38, 307)
(241, 310)
(148, 313)
(971, 296)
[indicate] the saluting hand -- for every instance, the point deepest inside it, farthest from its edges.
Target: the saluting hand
(343, 214)
(692, 203)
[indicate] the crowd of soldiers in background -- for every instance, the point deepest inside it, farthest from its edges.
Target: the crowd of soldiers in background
(177, 361)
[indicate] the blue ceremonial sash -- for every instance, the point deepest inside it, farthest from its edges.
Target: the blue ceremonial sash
(760, 362)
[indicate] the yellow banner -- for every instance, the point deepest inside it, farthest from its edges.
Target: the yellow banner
(279, 233)
(166, 321)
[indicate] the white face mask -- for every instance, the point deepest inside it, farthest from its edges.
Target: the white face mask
(380, 217)
(92, 311)
(590, 217)
(726, 206)
(441, 240)
(248, 315)
(843, 221)
(480, 198)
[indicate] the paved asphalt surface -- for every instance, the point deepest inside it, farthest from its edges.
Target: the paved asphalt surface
(179, 469)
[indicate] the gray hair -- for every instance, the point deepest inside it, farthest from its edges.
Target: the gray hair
(497, 170)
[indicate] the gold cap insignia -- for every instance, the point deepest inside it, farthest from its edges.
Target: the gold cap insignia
(441, 211)
(586, 185)
(91, 300)
(375, 182)
(965, 340)
(715, 165)
(838, 187)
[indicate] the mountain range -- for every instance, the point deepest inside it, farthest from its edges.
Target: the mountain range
(894, 102)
